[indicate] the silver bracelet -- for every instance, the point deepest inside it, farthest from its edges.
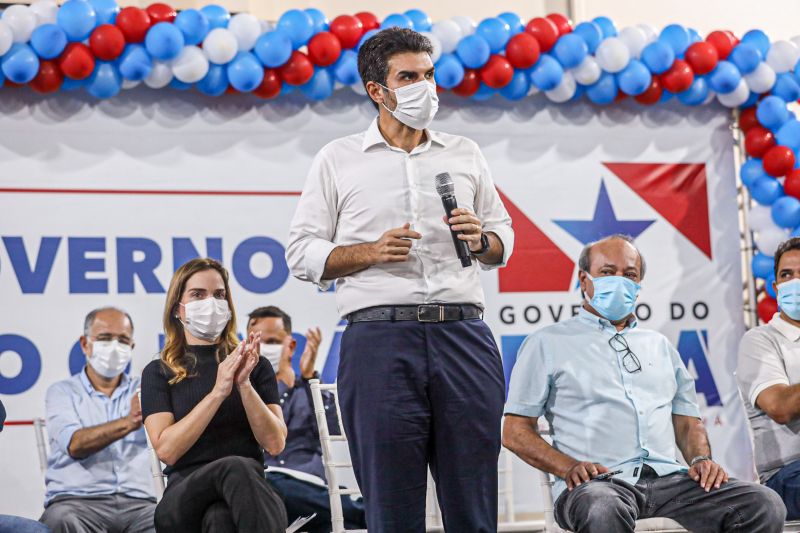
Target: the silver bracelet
(700, 458)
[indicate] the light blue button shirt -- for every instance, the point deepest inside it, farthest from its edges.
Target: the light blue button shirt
(598, 411)
(121, 468)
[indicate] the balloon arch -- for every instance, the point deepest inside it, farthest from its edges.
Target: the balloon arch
(96, 46)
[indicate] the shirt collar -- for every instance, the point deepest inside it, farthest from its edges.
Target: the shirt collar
(374, 137)
(790, 331)
(593, 319)
(84, 378)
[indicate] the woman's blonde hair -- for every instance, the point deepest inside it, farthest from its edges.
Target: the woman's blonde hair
(174, 354)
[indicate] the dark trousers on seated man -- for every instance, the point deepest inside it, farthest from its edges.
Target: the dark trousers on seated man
(786, 482)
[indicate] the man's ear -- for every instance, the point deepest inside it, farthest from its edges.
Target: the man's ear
(85, 345)
(375, 92)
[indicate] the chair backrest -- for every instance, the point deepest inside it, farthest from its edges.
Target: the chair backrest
(156, 468)
(546, 482)
(42, 447)
(505, 491)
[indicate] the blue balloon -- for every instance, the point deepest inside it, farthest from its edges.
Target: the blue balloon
(769, 285)
(658, 56)
(496, 32)
(48, 41)
(365, 38)
(287, 89)
(179, 85)
(318, 19)
(604, 90)
(786, 87)
(694, 36)
(3, 78)
(786, 212)
(20, 64)
(677, 37)
(580, 90)
(245, 73)
(751, 170)
(483, 93)
(696, 94)
(273, 48)
(606, 26)
(399, 20)
(345, 70)
(789, 134)
(772, 112)
(217, 16)
(758, 39)
(449, 71)
(135, 63)
(193, 24)
(319, 87)
(298, 25)
(77, 18)
(766, 191)
(106, 11)
(795, 232)
(746, 57)
(473, 51)
(762, 265)
(164, 41)
(547, 73)
(73, 85)
(634, 79)
(724, 78)
(591, 34)
(215, 83)
(514, 22)
(666, 96)
(751, 100)
(518, 88)
(105, 81)
(420, 20)
(570, 50)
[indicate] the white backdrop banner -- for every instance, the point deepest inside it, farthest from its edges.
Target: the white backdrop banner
(100, 202)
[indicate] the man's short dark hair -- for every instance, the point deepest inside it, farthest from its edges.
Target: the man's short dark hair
(375, 53)
(271, 311)
(785, 246)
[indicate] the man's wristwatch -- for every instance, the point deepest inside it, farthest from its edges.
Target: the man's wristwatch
(700, 458)
(484, 245)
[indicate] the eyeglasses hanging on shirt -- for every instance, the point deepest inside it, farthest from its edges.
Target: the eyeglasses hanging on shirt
(629, 360)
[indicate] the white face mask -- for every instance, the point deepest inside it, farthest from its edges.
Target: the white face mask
(205, 319)
(109, 358)
(273, 354)
(416, 104)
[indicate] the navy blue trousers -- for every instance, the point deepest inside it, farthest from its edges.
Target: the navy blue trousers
(787, 484)
(417, 394)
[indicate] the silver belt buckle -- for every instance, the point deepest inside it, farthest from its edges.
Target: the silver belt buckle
(436, 316)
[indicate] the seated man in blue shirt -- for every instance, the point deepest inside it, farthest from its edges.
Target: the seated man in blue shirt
(98, 474)
(297, 473)
(619, 399)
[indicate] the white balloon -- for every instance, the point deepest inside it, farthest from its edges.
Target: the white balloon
(267, 25)
(130, 84)
(635, 39)
(768, 239)
(21, 20)
(466, 24)
(436, 44)
(358, 88)
(45, 11)
(587, 72)
(6, 38)
(737, 97)
(160, 75)
(220, 46)
(761, 79)
(612, 55)
(782, 56)
(246, 28)
(533, 90)
(710, 97)
(760, 218)
(650, 33)
(191, 65)
(448, 33)
(564, 90)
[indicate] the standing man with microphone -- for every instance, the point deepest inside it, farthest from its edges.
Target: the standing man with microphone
(420, 377)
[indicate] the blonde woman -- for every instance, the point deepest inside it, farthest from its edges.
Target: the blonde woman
(210, 405)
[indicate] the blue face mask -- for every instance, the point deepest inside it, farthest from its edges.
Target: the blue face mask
(614, 296)
(789, 298)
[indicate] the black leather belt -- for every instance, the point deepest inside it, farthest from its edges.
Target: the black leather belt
(420, 313)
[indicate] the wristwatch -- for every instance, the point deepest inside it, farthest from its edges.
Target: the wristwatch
(484, 245)
(700, 458)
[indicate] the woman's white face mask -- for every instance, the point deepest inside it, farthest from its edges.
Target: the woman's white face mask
(205, 319)
(416, 104)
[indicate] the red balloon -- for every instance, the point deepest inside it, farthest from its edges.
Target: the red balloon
(159, 12)
(324, 49)
(748, 119)
(522, 50)
(497, 72)
(791, 185)
(652, 94)
(562, 23)
(469, 85)
(702, 57)
(757, 141)
(733, 37)
(298, 70)
(778, 161)
(767, 307)
(107, 42)
(48, 79)
(545, 31)
(678, 78)
(723, 41)
(76, 61)
(231, 90)
(368, 21)
(348, 30)
(270, 86)
(134, 23)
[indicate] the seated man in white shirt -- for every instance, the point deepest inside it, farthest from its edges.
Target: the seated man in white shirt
(98, 475)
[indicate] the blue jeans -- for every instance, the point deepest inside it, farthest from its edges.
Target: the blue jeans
(787, 484)
(15, 524)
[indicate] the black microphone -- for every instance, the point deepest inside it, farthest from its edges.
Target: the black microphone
(446, 189)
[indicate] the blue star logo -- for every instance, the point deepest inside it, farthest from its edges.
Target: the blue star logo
(604, 222)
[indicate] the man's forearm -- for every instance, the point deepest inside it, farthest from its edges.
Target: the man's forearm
(88, 441)
(346, 260)
(691, 437)
(495, 253)
(526, 443)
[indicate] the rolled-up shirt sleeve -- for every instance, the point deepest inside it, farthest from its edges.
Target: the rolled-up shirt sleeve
(529, 388)
(760, 365)
(313, 226)
(62, 418)
(490, 210)
(685, 401)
